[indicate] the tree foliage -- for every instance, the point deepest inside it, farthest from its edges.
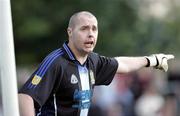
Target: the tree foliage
(40, 27)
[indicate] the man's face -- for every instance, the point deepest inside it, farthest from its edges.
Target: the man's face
(83, 36)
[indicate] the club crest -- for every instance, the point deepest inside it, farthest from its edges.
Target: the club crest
(74, 79)
(36, 79)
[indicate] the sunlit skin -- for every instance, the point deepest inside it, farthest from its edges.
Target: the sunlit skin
(83, 36)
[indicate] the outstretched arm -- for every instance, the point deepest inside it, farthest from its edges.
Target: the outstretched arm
(26, 105)
(129, 64)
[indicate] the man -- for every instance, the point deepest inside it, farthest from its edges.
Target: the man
(63, 83)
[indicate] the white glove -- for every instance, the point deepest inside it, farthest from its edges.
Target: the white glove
(159, 61)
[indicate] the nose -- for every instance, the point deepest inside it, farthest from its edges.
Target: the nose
(90, 35)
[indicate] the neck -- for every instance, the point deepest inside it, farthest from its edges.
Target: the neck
(81, 57)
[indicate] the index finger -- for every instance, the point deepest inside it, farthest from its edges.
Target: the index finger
(170, 56)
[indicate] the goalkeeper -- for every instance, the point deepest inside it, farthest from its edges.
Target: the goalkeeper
(63, 83)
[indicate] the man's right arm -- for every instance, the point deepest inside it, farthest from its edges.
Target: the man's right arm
(26, 105)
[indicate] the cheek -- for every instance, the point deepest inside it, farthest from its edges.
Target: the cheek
(78, 35)
(78, 40)
(81, 37)
(96, 37)
(75, 37)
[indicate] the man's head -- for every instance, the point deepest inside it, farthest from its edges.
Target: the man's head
(82, 31)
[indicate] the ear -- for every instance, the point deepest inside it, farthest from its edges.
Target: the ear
(69, 31)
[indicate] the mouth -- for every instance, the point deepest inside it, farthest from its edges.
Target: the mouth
(89, 43)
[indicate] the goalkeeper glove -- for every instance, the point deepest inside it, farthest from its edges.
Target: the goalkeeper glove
(159, 61)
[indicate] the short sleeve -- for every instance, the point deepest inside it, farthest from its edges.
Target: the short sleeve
(41, 83)
(105, 69)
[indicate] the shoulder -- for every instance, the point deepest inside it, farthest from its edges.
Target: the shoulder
(99, 59)
(53, 58)
(96, 58)
(93, 56)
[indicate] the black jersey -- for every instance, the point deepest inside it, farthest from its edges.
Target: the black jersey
(61, 86)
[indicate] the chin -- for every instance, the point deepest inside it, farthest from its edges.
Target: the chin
(88, 51)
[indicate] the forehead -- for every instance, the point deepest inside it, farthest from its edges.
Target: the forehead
(84, 19)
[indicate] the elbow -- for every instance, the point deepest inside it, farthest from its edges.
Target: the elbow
(26, 105)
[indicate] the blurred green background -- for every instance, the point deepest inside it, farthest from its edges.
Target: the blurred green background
(126, 27)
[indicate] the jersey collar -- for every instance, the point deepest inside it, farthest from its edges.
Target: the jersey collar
(68, 51)
(70, 54)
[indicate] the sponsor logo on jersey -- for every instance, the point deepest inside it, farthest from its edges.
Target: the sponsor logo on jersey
(92, 77)
(36, 79)
(74, 79)
(83, 97)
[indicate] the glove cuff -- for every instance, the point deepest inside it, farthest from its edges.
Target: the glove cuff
(148, 62)
(152, 61)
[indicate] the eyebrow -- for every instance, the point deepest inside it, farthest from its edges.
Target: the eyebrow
(86, 26)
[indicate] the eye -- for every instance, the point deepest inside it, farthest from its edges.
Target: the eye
(84, 28)
(94, 28)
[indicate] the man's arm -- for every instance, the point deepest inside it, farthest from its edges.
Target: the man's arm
(129, 64)
(26, 105)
